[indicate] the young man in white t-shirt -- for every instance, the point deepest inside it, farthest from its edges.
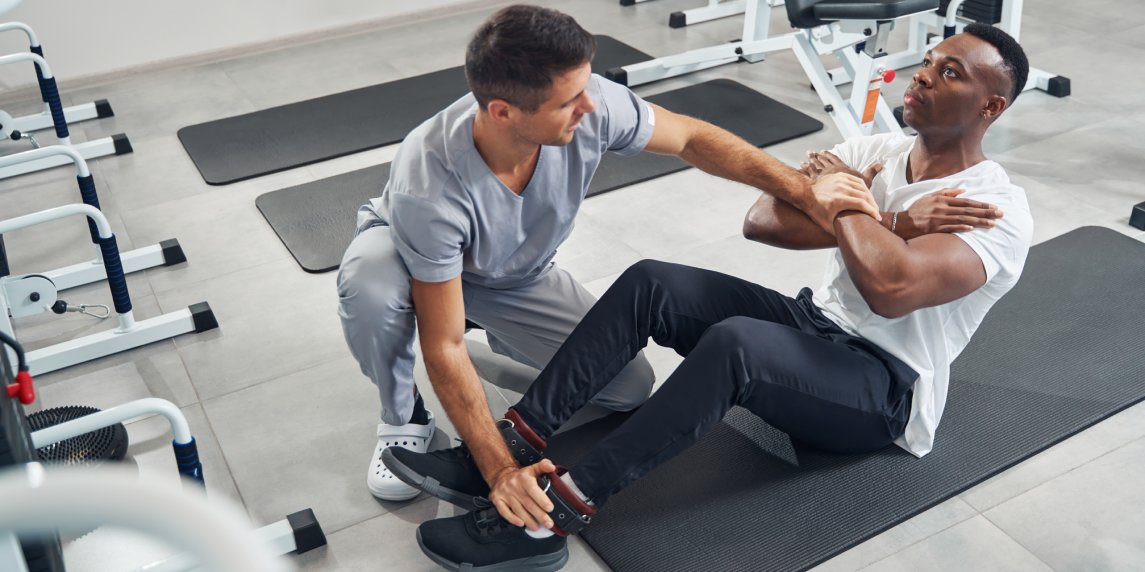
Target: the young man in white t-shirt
(861, 364)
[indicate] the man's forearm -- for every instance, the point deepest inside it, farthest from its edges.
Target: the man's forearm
(777, 223)
(457, 385)
(723, 154)
(876, 260)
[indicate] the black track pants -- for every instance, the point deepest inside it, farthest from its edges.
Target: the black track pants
(743, 345)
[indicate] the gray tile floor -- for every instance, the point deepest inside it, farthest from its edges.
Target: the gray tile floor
(284, 419)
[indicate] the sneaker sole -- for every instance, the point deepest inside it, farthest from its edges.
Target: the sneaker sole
(427, 484)
(390, 497)
(543, 563)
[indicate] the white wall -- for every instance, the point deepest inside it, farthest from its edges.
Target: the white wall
(85, 38)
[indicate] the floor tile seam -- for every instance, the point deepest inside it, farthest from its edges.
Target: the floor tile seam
(226, 462)
(1042, 484)
(1028, 550)
(246, 97)
(187, 370)
(1084, 32)
(270, 379)
(1131, 441)
(927, 537)
(200, 281)
(423, 498)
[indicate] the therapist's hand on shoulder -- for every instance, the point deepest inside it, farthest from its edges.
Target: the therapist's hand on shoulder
(946, 211)
(519, 499)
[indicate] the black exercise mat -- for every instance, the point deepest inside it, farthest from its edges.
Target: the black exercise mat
(263, 142)
(316, 220)
(1059, 353)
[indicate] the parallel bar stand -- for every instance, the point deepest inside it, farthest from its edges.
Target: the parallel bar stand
(33, 294)
(166, 253)
(98, 109)
(49, 92)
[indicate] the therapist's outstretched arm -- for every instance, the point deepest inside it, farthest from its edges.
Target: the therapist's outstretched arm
(724, 154)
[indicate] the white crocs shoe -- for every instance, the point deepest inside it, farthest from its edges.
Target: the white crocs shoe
(381, 482)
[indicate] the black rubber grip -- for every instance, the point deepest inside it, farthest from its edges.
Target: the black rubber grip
(90, 198)
(39, 51)
(115, 278)
(187, 459)
(52, 97)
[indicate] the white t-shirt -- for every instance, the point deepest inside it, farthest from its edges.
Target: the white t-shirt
(929, 339)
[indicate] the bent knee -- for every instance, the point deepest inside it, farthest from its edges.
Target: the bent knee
(734, 332)
(645, 270)
(373, 282)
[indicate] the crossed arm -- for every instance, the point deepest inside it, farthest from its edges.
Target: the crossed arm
(920, 264)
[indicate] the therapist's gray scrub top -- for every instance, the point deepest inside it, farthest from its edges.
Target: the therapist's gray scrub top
(450, 215)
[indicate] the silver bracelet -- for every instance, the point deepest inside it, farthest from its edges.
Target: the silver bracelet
(894, 221)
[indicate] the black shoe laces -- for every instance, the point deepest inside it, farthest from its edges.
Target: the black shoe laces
(461, 450)
(489, 522)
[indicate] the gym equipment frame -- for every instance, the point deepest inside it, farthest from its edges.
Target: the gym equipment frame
(920, 40)
(823, 27)
(166, 253)
(26, 295)
(98, 109)
(114, 145)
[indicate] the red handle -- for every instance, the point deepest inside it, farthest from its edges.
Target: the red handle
(23, 388)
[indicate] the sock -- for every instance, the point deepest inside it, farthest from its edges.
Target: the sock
(567, 478)
(539, 534)
(420, 415)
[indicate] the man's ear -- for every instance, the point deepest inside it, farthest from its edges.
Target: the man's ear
(994, 107)
(499, 110)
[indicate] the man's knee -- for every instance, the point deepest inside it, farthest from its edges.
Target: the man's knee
(735, 332)
(735, 338)
(372, 280)
(646, 271)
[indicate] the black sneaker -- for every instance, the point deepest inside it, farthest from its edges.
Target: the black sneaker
(448, 474)
(482, 541)
(452, 474)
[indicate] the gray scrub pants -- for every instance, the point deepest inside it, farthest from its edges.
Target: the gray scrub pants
(526, 323)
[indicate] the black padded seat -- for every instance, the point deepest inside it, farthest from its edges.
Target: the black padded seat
(811, 13)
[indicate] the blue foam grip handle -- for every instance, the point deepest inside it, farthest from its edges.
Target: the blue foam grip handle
(115, 278)
(187, 458)
(948, 31)
(90, 197)
(52, 96)
(39, 51)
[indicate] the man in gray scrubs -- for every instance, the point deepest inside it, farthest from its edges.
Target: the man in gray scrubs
(479, 198)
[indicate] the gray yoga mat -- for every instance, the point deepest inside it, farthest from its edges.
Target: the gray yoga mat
(316, 220)
(288, 136)
(1059, 353)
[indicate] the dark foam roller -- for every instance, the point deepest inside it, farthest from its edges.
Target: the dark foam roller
(316, 220)
(1059, 353)
(263, 142)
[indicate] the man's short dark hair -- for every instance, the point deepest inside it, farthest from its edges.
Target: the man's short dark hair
(1014, 61)
(517, 51)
